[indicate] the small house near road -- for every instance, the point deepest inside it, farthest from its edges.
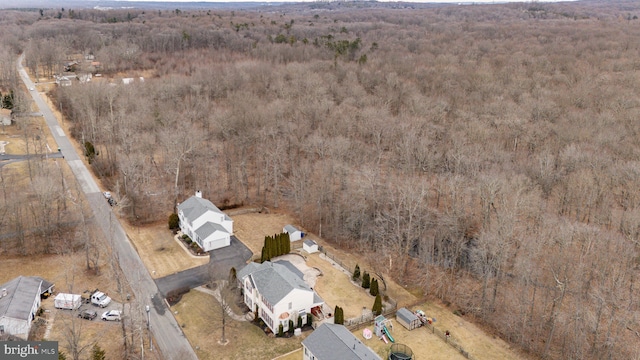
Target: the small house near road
(294, 233)
(310, 246)
(277, 294)
(204, 223)
(331, 341)
(19, 303)
(408, 319)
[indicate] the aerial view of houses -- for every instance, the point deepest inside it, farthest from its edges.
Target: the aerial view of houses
(321, 180)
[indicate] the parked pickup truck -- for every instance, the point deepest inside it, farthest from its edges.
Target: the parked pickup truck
(101, 299)
(96, 297)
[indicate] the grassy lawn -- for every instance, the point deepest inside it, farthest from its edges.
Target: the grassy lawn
(423, 343)
(199, 315)
(469, 336)
(335, 288)
(251, 228)
(159, 251)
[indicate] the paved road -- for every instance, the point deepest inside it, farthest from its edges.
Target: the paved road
(6, 159)
(220, 262)
(169, 337)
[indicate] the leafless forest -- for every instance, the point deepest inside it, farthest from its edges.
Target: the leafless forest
(487, 153)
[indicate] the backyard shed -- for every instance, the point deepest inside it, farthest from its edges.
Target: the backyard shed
(294, 233)
(407, 319)
(310, 246)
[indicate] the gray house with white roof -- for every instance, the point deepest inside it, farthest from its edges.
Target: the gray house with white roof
(277, 294)
(204, 223)
(332, 341)
(19, 303)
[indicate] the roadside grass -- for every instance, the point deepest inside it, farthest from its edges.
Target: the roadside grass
(200, 317)
(161, 254)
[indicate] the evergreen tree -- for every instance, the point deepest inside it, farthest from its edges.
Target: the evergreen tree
(286, 244)
(174, 221)
(373, 290)
(97, 353)
(339, 318)
(233, 276)
(299, 321)
(356, 273)
(377, 305)
(62, 356)
(280, 330)
(7, 100)
(366, 280)
(291, 328)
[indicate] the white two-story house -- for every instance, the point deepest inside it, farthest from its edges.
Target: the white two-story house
(277, 294)
(204, 223)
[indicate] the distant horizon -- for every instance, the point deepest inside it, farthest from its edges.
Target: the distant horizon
(466, 2)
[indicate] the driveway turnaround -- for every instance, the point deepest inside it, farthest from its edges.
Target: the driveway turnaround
(220, 262)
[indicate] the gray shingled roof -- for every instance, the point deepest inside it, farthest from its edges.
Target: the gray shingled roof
(194, 207)
(310, 242)
(247, 270)
(406, 315)
(21, 293)
(273, 281)
(291, 267)
(209, 228)
(331, 341)
(290, 229)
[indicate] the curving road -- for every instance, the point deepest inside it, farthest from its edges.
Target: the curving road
(170, 339)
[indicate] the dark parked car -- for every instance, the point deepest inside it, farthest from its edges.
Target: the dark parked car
(88, 314)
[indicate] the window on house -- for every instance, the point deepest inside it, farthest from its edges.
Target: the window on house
(290, 306)
(1, 329)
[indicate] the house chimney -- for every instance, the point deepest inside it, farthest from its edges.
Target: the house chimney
(4, 292)
(199, 193)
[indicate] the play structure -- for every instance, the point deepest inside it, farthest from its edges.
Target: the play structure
(400, 352)
(381, 328)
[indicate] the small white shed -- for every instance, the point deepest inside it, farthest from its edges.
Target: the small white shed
(310, 246)
(294, 233)
(407, 319)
